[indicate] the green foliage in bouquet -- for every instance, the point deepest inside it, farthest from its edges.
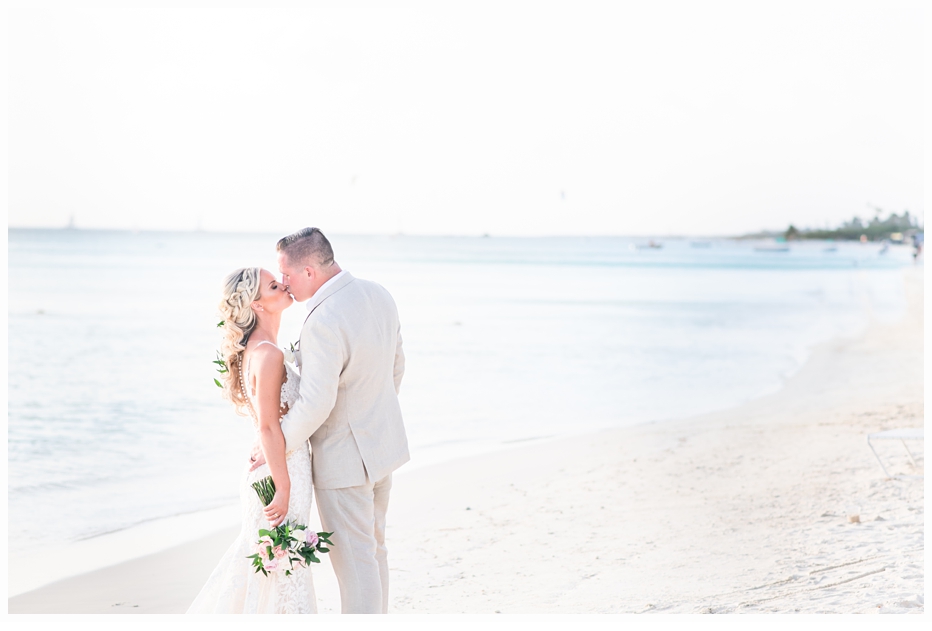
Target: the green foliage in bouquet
(294, 542)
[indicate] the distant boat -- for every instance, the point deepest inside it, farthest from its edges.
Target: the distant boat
(831, 248)
(883, 250)
(700, 244)
(776, 247)
(650, 245)
(70, 225)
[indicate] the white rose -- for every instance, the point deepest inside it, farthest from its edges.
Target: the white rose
(289, 356)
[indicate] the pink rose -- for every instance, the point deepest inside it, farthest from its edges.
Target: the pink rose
(261, 549)
(311, 538)
(270, 566)
(279, 553)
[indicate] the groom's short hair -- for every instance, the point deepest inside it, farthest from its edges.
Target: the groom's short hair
(308, 245)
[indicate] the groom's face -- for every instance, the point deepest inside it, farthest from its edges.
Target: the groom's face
(301, 280)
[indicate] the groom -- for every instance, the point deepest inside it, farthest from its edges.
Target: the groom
(351, 367)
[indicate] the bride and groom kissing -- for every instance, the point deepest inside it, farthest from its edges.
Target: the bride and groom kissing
(332, 426)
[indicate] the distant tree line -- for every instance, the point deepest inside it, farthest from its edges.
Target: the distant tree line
(876, 229)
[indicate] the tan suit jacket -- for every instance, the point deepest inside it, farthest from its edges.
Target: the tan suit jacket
(351, 368)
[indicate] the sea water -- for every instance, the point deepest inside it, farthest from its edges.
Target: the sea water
(114, 419)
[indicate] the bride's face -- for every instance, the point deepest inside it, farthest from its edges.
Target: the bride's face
(273, 294)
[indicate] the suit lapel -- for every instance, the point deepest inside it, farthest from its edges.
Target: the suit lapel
(326, 292)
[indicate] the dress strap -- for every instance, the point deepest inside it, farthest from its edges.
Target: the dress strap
(243, 376)
(257, 345)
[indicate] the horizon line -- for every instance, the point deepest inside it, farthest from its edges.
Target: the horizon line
(483, 235)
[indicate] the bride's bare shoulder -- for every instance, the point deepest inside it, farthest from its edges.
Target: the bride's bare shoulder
(265, 359)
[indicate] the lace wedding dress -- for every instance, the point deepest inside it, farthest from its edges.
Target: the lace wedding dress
(234, 586)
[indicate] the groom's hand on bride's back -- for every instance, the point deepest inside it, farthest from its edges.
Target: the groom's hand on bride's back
(256, 458)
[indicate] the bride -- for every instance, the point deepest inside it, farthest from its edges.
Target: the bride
(259, 383)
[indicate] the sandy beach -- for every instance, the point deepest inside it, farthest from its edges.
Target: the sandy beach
(744, 510)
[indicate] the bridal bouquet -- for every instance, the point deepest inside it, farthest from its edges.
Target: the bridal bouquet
(279, 548)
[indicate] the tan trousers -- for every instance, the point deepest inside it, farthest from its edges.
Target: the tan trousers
(356, 517)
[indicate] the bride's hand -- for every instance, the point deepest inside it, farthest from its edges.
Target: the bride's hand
(278, 509)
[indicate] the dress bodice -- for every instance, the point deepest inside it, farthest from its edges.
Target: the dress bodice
(290, 387)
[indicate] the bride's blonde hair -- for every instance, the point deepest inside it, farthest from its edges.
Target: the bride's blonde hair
(240, 290)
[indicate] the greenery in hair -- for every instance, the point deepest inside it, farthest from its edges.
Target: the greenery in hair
(223, 369)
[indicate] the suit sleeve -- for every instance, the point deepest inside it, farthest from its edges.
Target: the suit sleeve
(323, 360)
(399, 363)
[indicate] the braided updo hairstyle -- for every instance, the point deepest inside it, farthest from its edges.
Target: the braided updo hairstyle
(240, 290)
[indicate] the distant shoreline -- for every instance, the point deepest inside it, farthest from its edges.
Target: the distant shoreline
(679, 237)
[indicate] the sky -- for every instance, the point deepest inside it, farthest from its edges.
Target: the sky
(465, 118)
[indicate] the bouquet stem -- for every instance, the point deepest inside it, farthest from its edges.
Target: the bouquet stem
(265, 489)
